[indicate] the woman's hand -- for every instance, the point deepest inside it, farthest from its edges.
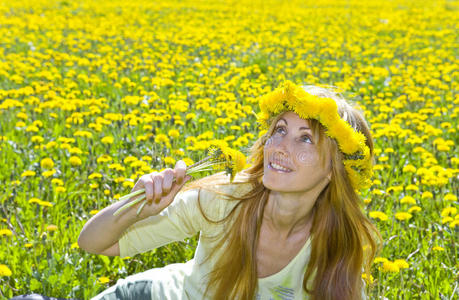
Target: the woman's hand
(160, 188)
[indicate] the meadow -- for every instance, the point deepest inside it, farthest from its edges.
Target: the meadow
(94, 94)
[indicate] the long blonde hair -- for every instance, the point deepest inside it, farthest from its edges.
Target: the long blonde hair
(339, 234)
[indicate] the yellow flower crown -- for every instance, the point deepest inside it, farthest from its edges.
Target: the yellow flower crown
(290, 97)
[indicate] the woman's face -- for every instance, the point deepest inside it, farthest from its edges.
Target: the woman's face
(291, 159)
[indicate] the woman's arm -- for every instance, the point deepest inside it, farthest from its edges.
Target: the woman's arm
(101, 233)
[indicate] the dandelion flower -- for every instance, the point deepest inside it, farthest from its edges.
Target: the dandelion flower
(107, 140)
(75, 161)
(47, 163)
(407, 200)
(391, 267)
(5, 271)
(438, 248)
(104, 280)
(51, 228)
(450, 197)
(403, 216)
(401, 263)
(378, 215)
(6, 232)
(28, 173)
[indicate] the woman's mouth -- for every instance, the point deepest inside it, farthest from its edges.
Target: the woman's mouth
(278, 168)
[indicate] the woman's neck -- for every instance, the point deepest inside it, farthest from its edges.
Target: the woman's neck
(289, 213)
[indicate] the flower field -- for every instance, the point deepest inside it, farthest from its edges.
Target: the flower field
(94, 94)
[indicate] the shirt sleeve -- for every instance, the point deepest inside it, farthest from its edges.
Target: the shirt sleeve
(181, 219)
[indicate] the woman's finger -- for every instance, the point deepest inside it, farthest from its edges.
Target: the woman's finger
(180, 170)
(147, 182)
(157, 187)
(168, 177)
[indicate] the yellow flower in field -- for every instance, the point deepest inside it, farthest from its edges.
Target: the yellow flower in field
(446, 220)
(28, 245)
(94, 185)
(74, 246)
(93, 212)
(412, 187)
(438, 248)
(383, 158)
(104, 158)
(48, 173)
(129, 159)
(161, 138)
(378, 215)
(407, 200)
(188, 161)
(128, 184)
(60, 189)
(448, 211)
(427, 195)
(414, 209)
(106, 192)
(37, 139)
(401, 263)
(28, 173)
(5, 271)
(369, 280)
(402, 216)
(94, 175)
(107, 140)
(367, 200)
(454, 223)
(51, 228)
(389, 266)
(75, 161)
(396, 188)
(389, 150)
(409, 169)
(6, 232)
(104, 280)
(20, 124)
(169, 160)
(450, 197)
(380, 259)
(174, 133)
(57, 181)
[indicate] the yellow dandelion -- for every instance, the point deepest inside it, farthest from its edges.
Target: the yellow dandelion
(107, 140)
(169, 160)
(427, 195)
(104, 280)
(51, 228)
(28, 245)
(438, 248)
(448, 211)
(454, 223)
(450, 197)
(378, 215)
(391, 267)
(380, 259)
(75, 161)
(173, 133)
(94, 211)
(401, 263)
(47, 163)
(28, 173)
(48, 173)
(407, 200)
(5, 271)
(414, 209)
(403, 216)
(74, 246)
(409, 169)
(60, 189)
(6, 232)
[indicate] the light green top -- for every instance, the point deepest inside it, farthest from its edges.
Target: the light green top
(183, 219)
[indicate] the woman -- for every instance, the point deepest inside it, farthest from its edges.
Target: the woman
(288, 227)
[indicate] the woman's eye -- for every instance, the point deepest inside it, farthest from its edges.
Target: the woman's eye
(306, 139)
(279, 129)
